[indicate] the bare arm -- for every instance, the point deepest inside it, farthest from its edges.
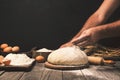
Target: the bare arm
(109, 30)
(94, 34)
(101, 15)
(95, 27)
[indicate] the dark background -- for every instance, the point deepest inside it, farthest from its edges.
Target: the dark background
(42, 23)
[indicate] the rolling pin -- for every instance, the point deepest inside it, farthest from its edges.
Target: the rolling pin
(99, 60)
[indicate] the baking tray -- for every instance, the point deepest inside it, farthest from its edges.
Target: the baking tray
(18, 68)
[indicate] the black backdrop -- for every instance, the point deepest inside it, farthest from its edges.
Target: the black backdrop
(42, 23)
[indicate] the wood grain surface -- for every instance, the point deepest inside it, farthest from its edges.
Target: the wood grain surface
(40, 72)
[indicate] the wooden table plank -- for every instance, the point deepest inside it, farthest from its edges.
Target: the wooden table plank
(46, 74)
(35, 73)
(117, 65)
(55, 75)
(11, 75)
(93, 75)
(42, 73)
(39, 72)
(31, 76)
(1, 72)
(104, 72)
(73, 75)
(111, 73)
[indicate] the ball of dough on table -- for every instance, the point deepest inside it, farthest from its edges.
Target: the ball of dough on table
(68, 56)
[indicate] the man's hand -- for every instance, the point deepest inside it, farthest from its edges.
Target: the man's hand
(88, 37)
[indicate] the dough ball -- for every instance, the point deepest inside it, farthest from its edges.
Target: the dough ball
(68, 56)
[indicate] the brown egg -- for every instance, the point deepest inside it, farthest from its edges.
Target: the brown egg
(40, 59)
(1, 58)
(6, 62)
(15, 49)
(4, 45)
(7, 49)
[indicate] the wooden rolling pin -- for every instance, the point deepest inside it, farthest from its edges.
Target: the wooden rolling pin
(99, 60)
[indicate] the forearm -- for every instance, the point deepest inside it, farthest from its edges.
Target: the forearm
(109, 30)
(92, 21)
(101, 15)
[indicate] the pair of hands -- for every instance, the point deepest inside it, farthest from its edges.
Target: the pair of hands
(87, 37)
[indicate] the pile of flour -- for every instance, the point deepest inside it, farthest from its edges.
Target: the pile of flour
(19, 59)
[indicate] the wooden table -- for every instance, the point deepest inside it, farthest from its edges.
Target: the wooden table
(39, 72)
